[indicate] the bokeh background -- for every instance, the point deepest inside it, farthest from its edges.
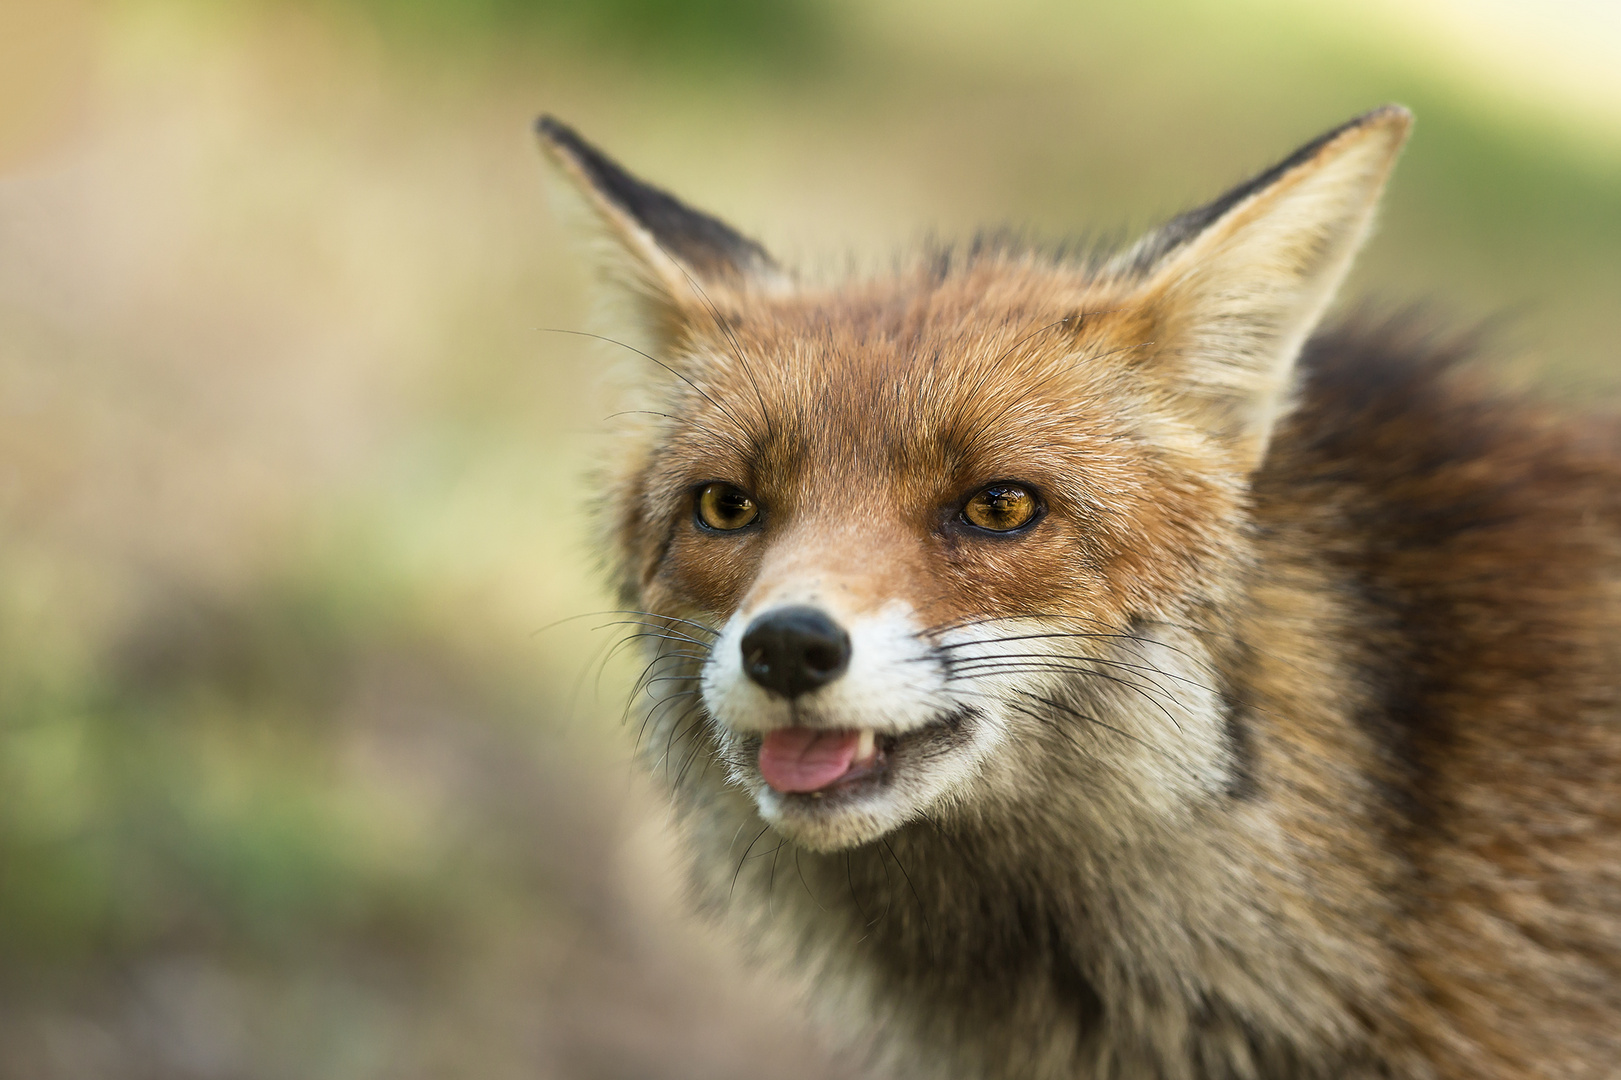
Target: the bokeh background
(300, 774)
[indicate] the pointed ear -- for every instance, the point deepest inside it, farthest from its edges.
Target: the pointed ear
(1232, 290)
(670, 255)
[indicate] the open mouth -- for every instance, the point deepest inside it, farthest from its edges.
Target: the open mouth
(814, 763)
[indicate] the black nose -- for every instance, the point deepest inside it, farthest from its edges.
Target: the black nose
(793, 650)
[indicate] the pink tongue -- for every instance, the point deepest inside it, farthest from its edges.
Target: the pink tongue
(802, 759)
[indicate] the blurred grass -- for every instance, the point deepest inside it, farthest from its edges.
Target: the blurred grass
(792, 32)
(290, 478)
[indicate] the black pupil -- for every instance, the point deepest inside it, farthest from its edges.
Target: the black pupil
(1004, 503)
(731, 507)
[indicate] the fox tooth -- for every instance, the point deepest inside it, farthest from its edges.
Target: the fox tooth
(864, 746)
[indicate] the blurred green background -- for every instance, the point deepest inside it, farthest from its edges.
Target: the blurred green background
(299, 774)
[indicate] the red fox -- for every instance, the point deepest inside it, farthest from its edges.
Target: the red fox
(1093, 667)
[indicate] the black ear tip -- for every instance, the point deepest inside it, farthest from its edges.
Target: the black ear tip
(550, 127)
(565, 142)
(559, 135)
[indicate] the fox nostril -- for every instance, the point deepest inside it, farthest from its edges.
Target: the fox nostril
(793, 650)
(824, 658)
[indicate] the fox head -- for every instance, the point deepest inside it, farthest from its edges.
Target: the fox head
(921, 546)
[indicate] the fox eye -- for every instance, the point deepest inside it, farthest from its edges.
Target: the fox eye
(725, 508)
(1001, 508)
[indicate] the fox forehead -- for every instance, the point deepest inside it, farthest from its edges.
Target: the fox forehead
(928, 385)
(860, 420)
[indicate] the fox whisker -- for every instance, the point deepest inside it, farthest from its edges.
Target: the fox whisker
(1143, 670)
(1069, 710)
(694, 732)
(1023, 668)
(699, 746)
(663, 635)
(1111, 634)
(679, 730)
(763, 830)
(624, 611)
(652, 669)
(663, 703)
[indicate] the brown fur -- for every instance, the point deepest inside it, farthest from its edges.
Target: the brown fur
(1331, 787)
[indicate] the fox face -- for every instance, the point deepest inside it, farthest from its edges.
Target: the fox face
(904, 551)
(928, 545)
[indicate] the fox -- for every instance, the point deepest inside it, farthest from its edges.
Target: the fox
(1110, 665)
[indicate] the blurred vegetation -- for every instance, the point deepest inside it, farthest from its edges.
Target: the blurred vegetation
(792, 31)
(183, 786)
(294, 782)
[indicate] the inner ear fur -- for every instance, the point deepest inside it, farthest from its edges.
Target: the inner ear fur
(671, 256)
(1231, 291)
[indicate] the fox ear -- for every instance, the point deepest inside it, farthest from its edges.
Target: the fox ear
(1232, 290)
(670, 255)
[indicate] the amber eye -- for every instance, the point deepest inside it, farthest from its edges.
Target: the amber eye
(1001, 508)
(725, 508)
